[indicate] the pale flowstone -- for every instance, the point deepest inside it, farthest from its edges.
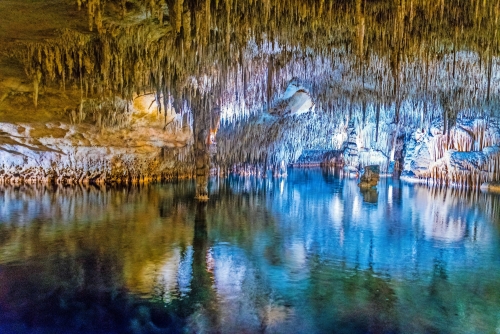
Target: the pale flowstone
(78, 153)
(468, 157)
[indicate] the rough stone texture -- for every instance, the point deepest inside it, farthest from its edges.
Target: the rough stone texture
(417, 159)
(58, 57)
(350, 151)
(468, 156)
(66, 153)
(370, 177)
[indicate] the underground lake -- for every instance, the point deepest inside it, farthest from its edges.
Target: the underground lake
(310, 253)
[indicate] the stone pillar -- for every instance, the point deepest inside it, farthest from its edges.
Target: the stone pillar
(350, 151)
(202, 160)
(201, 151)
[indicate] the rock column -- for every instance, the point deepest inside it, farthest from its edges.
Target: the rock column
(201, 151)
(202, 165)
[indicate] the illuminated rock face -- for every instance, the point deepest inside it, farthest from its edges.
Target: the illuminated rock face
(296, 100)
(467, 155)
(79, 153)
(340, 76)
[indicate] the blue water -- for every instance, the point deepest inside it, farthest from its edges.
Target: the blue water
(308, 253)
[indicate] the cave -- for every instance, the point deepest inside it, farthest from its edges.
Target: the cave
(249, 166)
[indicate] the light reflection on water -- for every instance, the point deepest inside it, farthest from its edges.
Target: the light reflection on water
(307, 253)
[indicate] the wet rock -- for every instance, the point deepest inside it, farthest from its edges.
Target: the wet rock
(370, 177)
(491, 186)
(467, 156)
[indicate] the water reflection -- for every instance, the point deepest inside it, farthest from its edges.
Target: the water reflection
(310, 253)
(370, 195)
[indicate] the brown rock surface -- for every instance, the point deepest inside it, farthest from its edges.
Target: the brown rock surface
(370, 177)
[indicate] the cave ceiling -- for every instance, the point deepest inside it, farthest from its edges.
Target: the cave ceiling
(242, 54)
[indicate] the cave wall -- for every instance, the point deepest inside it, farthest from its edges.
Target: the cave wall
(467, 155)
(366, 76)
(132, 149)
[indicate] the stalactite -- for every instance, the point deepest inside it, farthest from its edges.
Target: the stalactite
(269, 88)
(490, 69)
(377, 117)
(246, 60)
(37, 77)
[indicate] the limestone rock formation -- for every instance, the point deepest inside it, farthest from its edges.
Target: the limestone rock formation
(370, 177)
(296, 100)
(287, 77)
(77, 152)
(468, 155)
(350, 151)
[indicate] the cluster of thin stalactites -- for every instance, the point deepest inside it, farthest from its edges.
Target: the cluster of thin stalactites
(382, 52)
(406, 62)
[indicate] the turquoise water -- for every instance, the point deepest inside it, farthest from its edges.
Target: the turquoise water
(305, 254)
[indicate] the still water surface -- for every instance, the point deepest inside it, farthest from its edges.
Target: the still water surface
(305, 254)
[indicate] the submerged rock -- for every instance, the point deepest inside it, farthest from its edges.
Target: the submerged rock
(370, 177)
